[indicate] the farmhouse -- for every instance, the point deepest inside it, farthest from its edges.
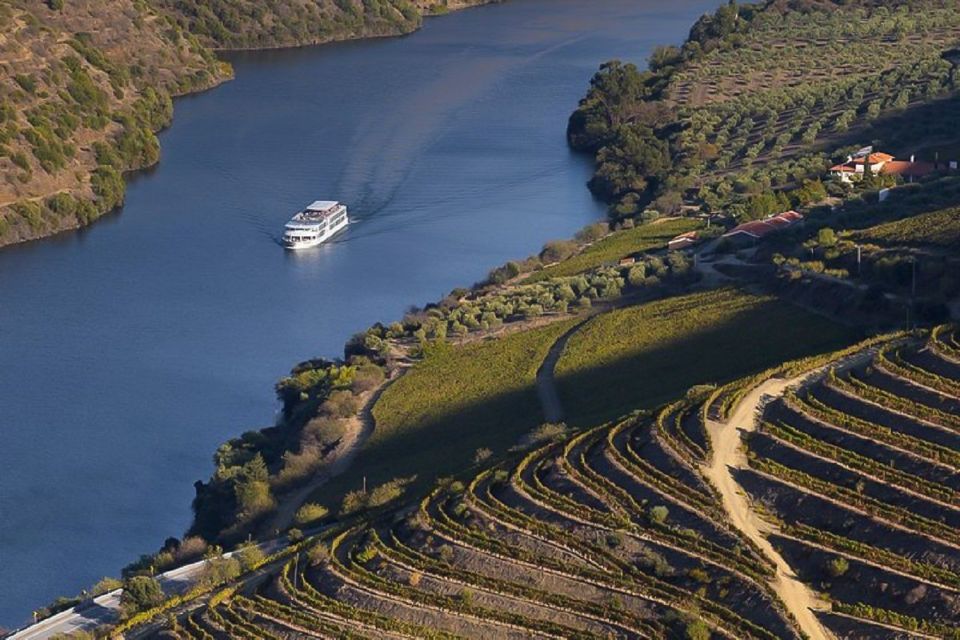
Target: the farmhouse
(750, 232)
(857, 165)
(880, 164)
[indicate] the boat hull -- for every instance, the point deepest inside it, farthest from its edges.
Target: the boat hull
(296, 245)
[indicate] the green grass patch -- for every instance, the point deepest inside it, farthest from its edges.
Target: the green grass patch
(939, 228)
(618, 245)
(644, 356)
(431, 421)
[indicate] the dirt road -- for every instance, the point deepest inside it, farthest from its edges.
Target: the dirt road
(359, 430)
(729, 455)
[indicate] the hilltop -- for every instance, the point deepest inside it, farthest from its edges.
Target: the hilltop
(86, 84)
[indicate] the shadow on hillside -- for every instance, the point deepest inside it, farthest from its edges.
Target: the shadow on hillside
(444, 446)
(748, 342)
(927, 125)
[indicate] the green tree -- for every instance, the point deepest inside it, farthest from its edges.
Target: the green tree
(826, 237)
(140, 593)
(837, 567)
(252, 489)
(697, 630)
(250, 557)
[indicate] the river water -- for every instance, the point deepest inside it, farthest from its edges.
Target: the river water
(130, 350)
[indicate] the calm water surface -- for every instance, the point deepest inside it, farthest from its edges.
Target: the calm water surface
(131, 350)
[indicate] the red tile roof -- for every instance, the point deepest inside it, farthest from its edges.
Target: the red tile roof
(791, 215)
(842, 168)
(760, 228)
(874, 158)
(908, 169)
(755, 229)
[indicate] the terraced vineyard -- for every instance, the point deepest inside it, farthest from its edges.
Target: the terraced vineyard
(859, 470)
(616, 531)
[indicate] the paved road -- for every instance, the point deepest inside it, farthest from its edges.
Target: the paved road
(104, 609)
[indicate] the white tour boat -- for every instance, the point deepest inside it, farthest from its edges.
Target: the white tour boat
(315, 224)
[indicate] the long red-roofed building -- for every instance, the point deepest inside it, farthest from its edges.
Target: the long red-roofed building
(757, 229)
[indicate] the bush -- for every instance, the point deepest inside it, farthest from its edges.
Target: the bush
(250, 557)
(547, 432)
(108, 186)
(557, 250)
(318, 555)
(140, 593)
(504, 273)
(837, 567)
(658, 514)
(697, 630)
(389, 491)
(105, 585)
(218, 570)
(341, 404)
(592, 232)
(369, 376)
(310, 512)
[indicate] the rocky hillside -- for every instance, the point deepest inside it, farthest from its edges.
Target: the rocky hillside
(85, 84)
(82, 89)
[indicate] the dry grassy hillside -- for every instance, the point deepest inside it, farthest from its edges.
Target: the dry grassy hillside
(83, 86)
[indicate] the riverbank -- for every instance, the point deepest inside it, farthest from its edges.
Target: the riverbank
(187, 294)
(70, 139)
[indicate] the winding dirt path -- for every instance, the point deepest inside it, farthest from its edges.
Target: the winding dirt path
(729, 455)
(546, 381)
(359, 430)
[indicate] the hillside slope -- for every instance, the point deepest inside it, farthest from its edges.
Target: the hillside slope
(85, 84)
(82, 89)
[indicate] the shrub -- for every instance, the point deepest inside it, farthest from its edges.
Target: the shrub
(218, 570)
(191, 548)
(353, 501)
(341, 404)
(20, 159)
(547, 432)
(108, 186)
(369, 376)
(658, 514)
(27, 82)
(557, 250)
(504, 273)
(323, 430)
(837, 567)
(105, 585)
(318, 555)
(140, 593)
(250, 557)
(389, 491)
(697, 630)
(310, 512)
(592, 232)
(637, 275)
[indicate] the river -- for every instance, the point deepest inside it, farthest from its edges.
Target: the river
(132, 349)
